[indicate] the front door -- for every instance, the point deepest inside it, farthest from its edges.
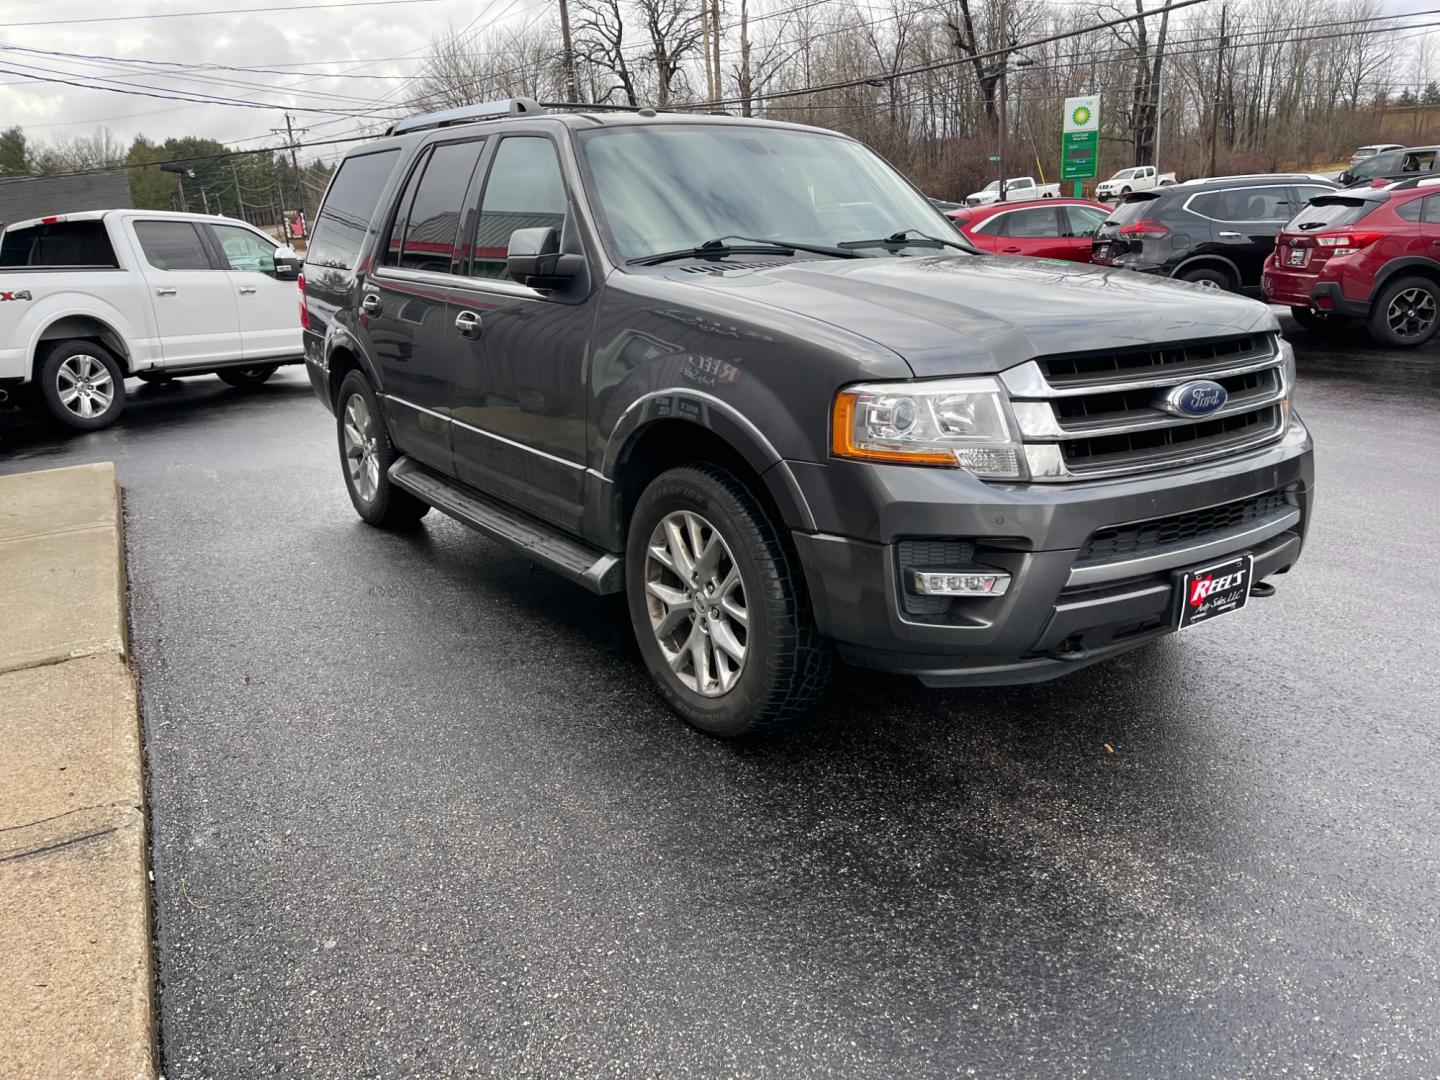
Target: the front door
(269, 308)
(403, 303)
(196, 315)
(519, 357)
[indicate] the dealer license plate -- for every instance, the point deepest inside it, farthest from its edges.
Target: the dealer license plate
(1217, 589)
(1297, 256)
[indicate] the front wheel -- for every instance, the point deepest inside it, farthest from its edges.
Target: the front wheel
(1406, 313)
(1124, 191)
(246, 378)
(719, 605)
(82, 385)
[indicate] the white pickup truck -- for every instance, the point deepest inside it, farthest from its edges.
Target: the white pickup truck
(1140, 178)
(90, 299)
(1017, 189)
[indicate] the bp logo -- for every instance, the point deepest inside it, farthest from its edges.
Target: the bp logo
(1081, 116)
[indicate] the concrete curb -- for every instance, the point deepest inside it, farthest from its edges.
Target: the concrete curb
(77, 987)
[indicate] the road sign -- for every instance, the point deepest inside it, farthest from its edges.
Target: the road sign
(1080, 141)
(994, 157)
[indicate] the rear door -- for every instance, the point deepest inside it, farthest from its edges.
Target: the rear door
(402, 305)
(1081, 223)
(1430, 226)
(1243, 224)
(269, 308)
(196, 312)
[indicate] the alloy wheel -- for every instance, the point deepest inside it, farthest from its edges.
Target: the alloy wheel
(361, 460)
(84, 385)
(1411, 313)
(696, 602)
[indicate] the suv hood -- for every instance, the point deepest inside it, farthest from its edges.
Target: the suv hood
(975, 314)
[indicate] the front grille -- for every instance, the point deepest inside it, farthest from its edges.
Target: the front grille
(1143, 537)
(1098, 414)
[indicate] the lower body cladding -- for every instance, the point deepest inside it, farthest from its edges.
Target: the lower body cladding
(1094, 568)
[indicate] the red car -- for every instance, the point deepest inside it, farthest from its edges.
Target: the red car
(1371, 254)
(1045, 228)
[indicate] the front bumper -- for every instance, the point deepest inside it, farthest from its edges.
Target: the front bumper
(1057, 616)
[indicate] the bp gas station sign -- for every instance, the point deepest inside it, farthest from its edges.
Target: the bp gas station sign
(1080, 139)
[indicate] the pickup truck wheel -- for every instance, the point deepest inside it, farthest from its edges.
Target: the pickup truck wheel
(366, 454)
(244, 378)
(1406, 313)
(1124, 191)
(81, 385)
(719, 606)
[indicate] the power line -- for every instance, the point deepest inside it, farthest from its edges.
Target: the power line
(219, 11)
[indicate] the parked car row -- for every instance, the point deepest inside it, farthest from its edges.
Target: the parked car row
(1330, 255)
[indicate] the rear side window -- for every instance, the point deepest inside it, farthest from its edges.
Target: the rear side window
(350, 204)
(172, 245)
(1411, 211)
(61, 243)
(434, 212)
(1432, 210)
(1243, 204)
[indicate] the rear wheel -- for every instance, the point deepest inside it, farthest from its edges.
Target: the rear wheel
(1214, 279)
(366, 454)
(719, 606)
(244, 378)
(1406, 313)
(82, 385)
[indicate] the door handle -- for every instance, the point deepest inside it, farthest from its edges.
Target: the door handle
(371, 304)
(165, 290)
(1010, 250)
(467, 325)
(1228, 235)
(246, 290)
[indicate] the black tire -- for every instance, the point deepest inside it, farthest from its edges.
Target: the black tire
(1204, 275)
(1124, 191)
(787, 661)
(155, 378)
(387, 507)
(1311, 319)
(247, 378)
(1405, 313)
(89, 377)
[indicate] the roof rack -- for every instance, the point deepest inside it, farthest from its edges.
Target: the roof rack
(467, 114)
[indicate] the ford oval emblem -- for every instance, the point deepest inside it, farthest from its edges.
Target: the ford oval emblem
(1193, 399)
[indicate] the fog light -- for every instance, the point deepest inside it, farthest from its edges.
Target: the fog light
(950, 583)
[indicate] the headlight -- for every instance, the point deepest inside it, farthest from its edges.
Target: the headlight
(950, 423)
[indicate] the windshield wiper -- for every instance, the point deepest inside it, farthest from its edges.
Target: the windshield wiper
(750, 246)
(903, 238)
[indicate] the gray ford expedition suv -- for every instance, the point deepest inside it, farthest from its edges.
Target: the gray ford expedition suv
(745, 373)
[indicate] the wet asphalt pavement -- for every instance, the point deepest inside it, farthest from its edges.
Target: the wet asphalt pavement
(417, 812)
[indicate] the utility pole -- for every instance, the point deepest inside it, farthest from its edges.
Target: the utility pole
(715, 44)
(205, 199)
(745, 75)
(1215, 116)
(571, 85)
(289, 132)
(705, 49)
(1004, 64)
(239, 199)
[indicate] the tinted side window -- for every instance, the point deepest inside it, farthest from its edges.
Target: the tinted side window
(391, 256)
(61, 243)
(1032, 224)
(1412, 210)
(1244, 204)
(349, 205)
(525, 190)
(992, 226)
(434, 217)
(1083, 220)
(172, 245)
(1432, 209)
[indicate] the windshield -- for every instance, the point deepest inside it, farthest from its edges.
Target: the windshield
(1124, 174)
(993, 185)
(1331, 212)
(667, 188)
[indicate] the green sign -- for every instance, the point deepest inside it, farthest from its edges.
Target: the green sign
(994, 157)
(1079, 154)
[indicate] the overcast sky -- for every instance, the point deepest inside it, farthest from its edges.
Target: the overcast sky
(379, 43)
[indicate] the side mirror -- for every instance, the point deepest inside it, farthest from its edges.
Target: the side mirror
(534, 259)
(287, 263)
